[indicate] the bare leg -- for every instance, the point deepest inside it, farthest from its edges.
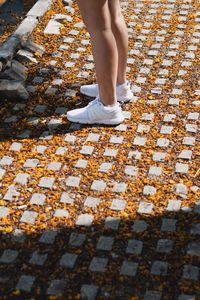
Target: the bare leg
(121, 36)
(97, 18)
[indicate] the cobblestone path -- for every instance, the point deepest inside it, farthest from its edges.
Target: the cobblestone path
(105, 212)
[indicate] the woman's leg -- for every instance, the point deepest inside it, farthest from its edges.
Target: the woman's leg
(120, 32)
(96, 16)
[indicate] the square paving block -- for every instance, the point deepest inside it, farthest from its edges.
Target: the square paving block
(25, 283)
(89, 291)
(68, 260)
(73, 181)
(8, 256)
(57, 287)
(46, 182)
(98, 185)
(105, 243)
(4, 211)
(84, 220)
(159, 268)
(29, 217)
(98, 264)
(129, 268)
(77, 239)
(38, 259)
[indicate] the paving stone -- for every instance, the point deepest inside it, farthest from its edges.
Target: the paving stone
(139, 226)
(25, 283)
(89, 291)
(193, 249)
(73, 181)
(93, 137)
(112, 223)
(77, 239)
(98, 185)
(110, 152)
(91, 202)
(159, 268)
(4, 211)
(38, 198)
(149, 190)
(193, 116)
(145, 208)
(181, 190)
(181, 168)
(41, 149)
(159, 156)
(66, 198)
(173, 205)
(98, 264)
(84, 220)
(116, 139)
(48, 237)
(135, 154)
(129, 268)
(152, 295)
(6, 160)
(56, 287)
(173, 102)
(121, 127)
(15, 146)
(195, 228)
(164, 246)
(139, 141)
(11, 193)
(18, 236)
(54, 165)
(87, 150)
(22, 178)
(68, 260)
(185, 154)
(8, 256)
(155, 171)
(29, 217)
(134, 247)
(166, 129)
(190, 141)
(168, 225)
(105, 243)
(162, 142)
(59, 213)
(46, 182)
(31, 163)
(131, 170)
(61, 151)
(190, 272)
(38, 259)
(143, 128)
(105, 167)
(119, 187)
(118, 204)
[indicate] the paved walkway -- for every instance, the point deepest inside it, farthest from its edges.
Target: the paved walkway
(99, 212)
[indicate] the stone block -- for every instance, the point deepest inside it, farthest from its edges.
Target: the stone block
(13, 89)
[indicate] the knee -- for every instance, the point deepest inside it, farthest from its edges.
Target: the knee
(117, 21)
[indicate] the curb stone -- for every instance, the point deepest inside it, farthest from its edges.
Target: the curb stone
(19, 40)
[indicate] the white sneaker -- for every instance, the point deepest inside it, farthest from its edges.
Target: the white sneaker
(96, 113)
(124, 93)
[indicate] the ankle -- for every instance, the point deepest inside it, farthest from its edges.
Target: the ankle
(121, 82)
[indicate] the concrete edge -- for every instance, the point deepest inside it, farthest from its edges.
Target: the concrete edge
(13, 42)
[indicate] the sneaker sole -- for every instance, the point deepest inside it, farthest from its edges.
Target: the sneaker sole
(104, 122)
(123, 100)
